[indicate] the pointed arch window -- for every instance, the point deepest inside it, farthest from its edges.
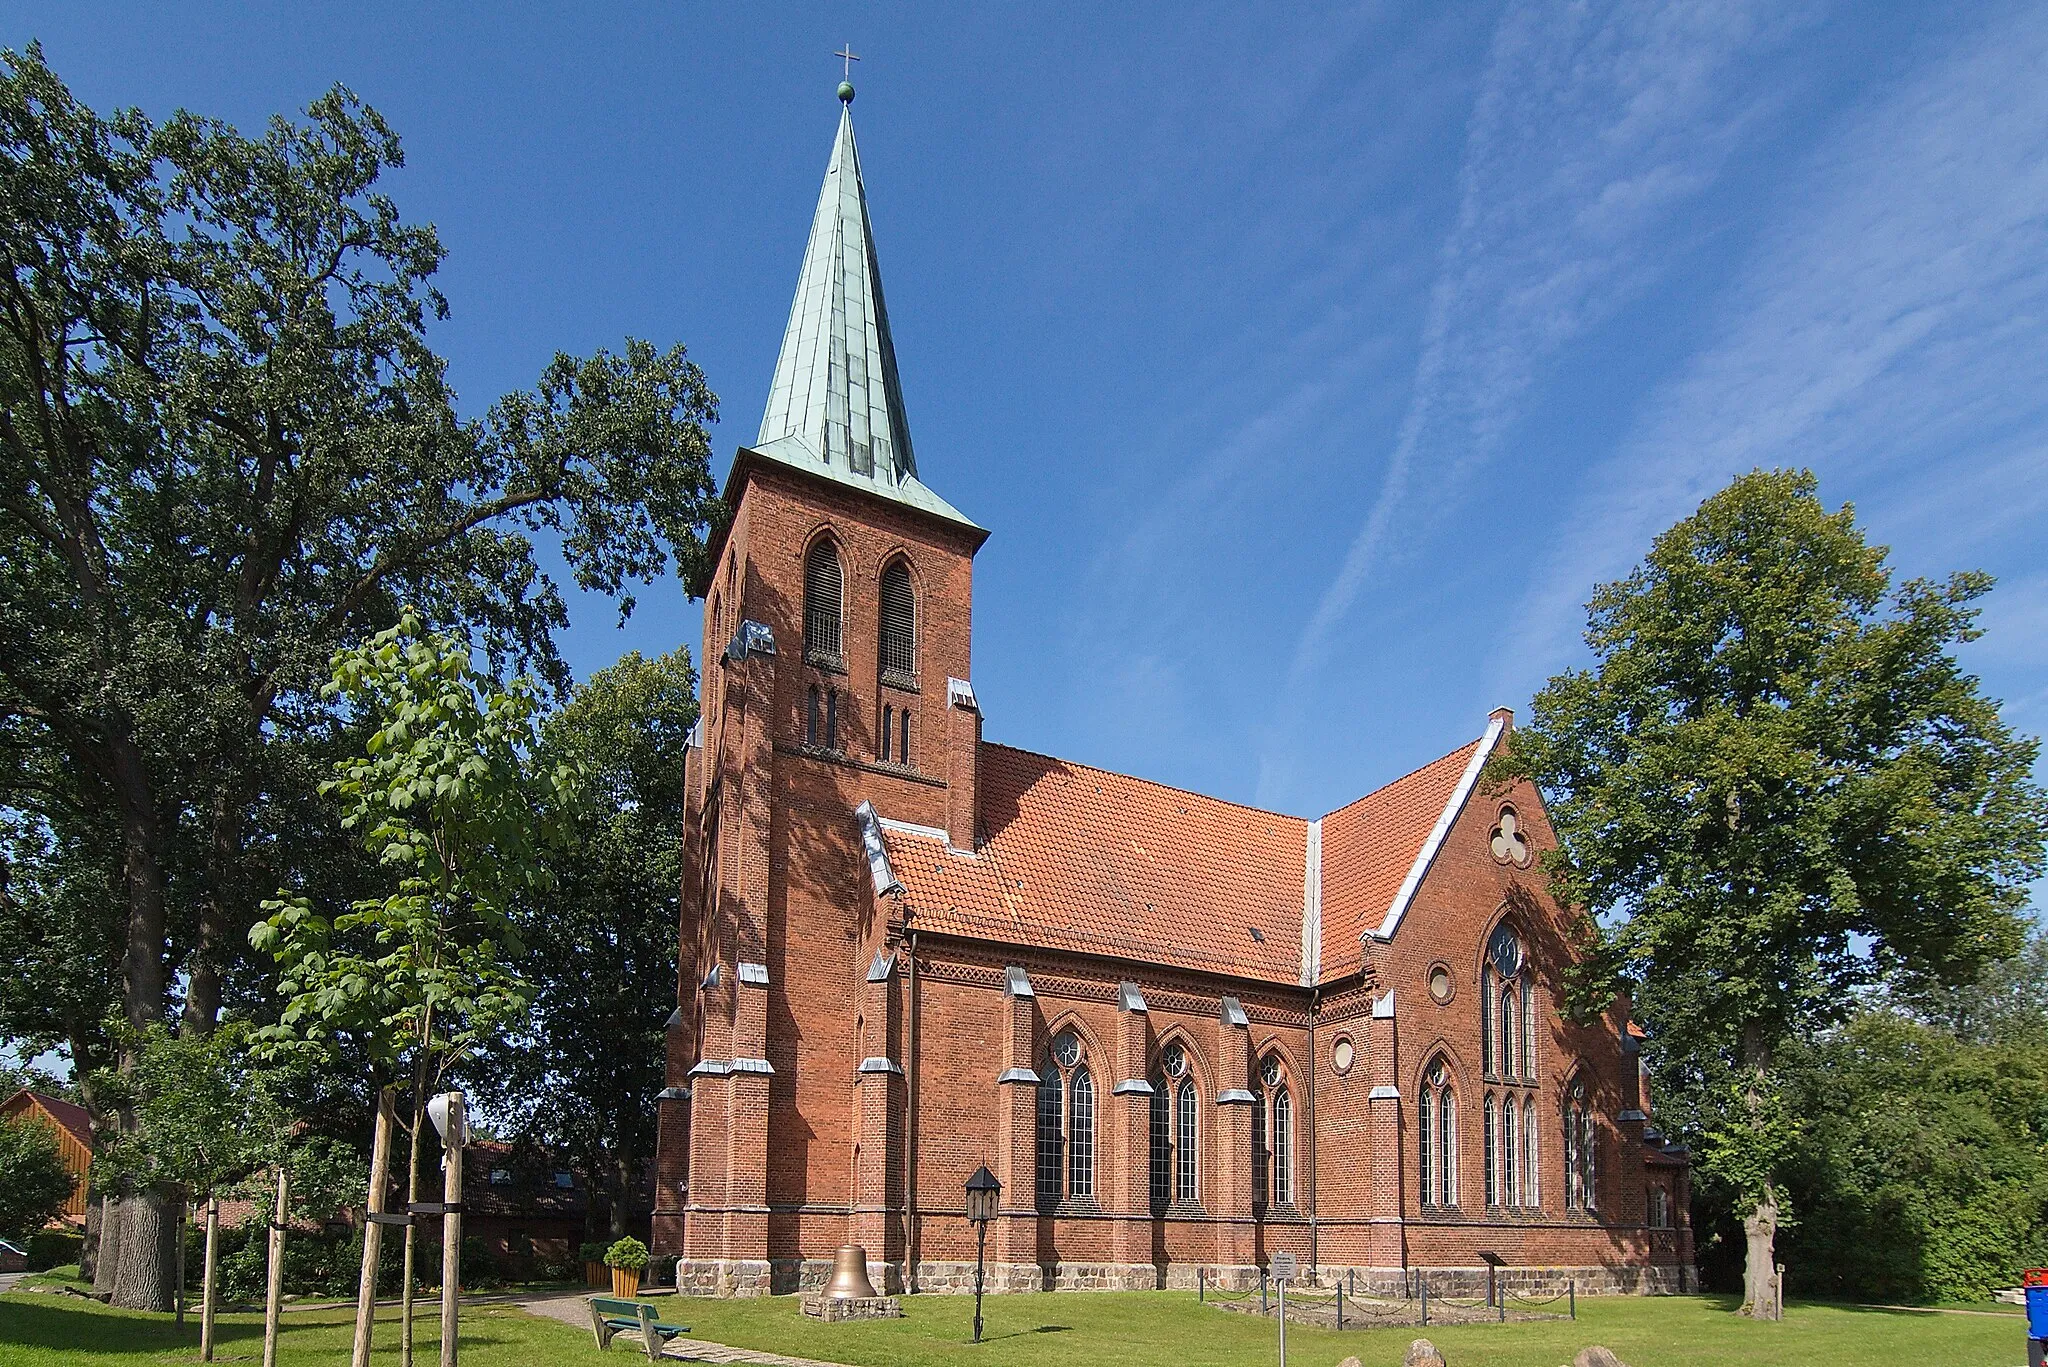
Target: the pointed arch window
(1066, 1124)
(1081, 1134)
(1051, 1140)
(1532, 1192)
(1162, 1143)
(1283, 1146)
(1186, 1171)
(1437, 1137)
(898, 633)
(824, 606)
(1510, 1167)
(1491, 1143)
(1581, 1145)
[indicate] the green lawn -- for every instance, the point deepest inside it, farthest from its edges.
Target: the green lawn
(1136, 1329)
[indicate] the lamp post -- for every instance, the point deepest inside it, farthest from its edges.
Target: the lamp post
(983, 1195)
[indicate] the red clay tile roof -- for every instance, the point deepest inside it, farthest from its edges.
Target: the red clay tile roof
(1084, 860)
(1369, 846)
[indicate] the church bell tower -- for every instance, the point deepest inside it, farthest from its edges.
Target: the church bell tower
(836, 697)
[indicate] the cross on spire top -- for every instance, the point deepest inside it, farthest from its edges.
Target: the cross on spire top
(847, 57)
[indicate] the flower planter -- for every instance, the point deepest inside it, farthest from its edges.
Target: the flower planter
(594, 1273)
(625, 1282)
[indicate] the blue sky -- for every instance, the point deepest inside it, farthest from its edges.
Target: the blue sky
(1310, 364)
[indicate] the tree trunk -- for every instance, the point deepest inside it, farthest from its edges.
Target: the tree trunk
(142, 1279)
(149, 1230)
(1759, 1273)
(1760, 1292)
(621, 1188)
(110, 1247)
(89, 1244)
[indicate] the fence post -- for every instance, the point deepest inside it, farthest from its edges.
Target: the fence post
(1572, 1287)
(1425, 1297)
(1503, 1305)
(1340, 1305)
(1201, 1278)
(1263, 1307)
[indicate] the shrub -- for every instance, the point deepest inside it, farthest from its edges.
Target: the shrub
(34, 1182)
(628, 1254)
(48, 1248)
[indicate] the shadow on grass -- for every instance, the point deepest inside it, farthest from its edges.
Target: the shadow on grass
(94, 1330)
(1022, 1333)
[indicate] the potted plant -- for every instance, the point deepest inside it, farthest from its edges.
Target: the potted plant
(592, 1257)
(627, 1259)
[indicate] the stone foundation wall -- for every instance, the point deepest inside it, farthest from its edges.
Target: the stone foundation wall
(1396, 1283)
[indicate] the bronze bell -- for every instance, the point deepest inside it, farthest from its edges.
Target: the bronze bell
(850, 1276)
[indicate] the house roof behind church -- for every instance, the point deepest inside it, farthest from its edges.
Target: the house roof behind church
(1085, 860)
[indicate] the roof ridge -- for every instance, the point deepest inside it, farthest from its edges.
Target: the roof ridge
(1150, 782)
(1396, 782)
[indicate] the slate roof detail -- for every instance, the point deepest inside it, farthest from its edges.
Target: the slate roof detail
(1085, 860)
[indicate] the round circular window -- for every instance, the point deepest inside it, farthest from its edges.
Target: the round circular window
(1066, 1047)
(1439, 984)
(1174, 1060)
(1342, 1056)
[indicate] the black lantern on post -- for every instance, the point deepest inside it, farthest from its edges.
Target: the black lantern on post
(984, 1194)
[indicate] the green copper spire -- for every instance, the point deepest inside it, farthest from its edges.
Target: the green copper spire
(836, 404)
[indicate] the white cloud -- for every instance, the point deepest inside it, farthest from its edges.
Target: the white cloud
(1891, 332)
(1595, 125)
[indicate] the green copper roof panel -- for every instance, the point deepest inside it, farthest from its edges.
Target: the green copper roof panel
(836, 405)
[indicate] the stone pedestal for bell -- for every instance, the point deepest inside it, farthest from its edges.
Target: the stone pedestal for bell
(849, 1295)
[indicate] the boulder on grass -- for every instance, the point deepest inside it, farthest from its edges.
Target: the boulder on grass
(1351, 1362)
(1596, 1356)
(1423, 1353)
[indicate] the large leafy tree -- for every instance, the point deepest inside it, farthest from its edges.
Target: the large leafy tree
(1777, 786)
(581, 1076)
(228, 449)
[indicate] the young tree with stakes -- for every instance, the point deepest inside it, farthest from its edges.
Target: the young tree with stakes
(1775, 787)
(444, 797)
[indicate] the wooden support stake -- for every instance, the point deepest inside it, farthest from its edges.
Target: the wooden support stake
(184, 1219)
(273, 1299)
(373, 1232)
(451, 1225)
(206, 1286)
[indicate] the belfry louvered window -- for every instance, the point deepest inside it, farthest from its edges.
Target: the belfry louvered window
(823, 606)
(899, 626)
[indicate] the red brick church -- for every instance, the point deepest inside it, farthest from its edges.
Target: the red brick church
(1185, 1034)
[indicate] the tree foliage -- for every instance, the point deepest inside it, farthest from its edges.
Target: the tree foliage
(228, 449)
(442, 800)
(581, 1074)
(1777, 786)
(34, 1182)
(1922, 1168)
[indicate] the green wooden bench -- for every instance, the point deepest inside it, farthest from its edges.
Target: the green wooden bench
(609, 1317)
